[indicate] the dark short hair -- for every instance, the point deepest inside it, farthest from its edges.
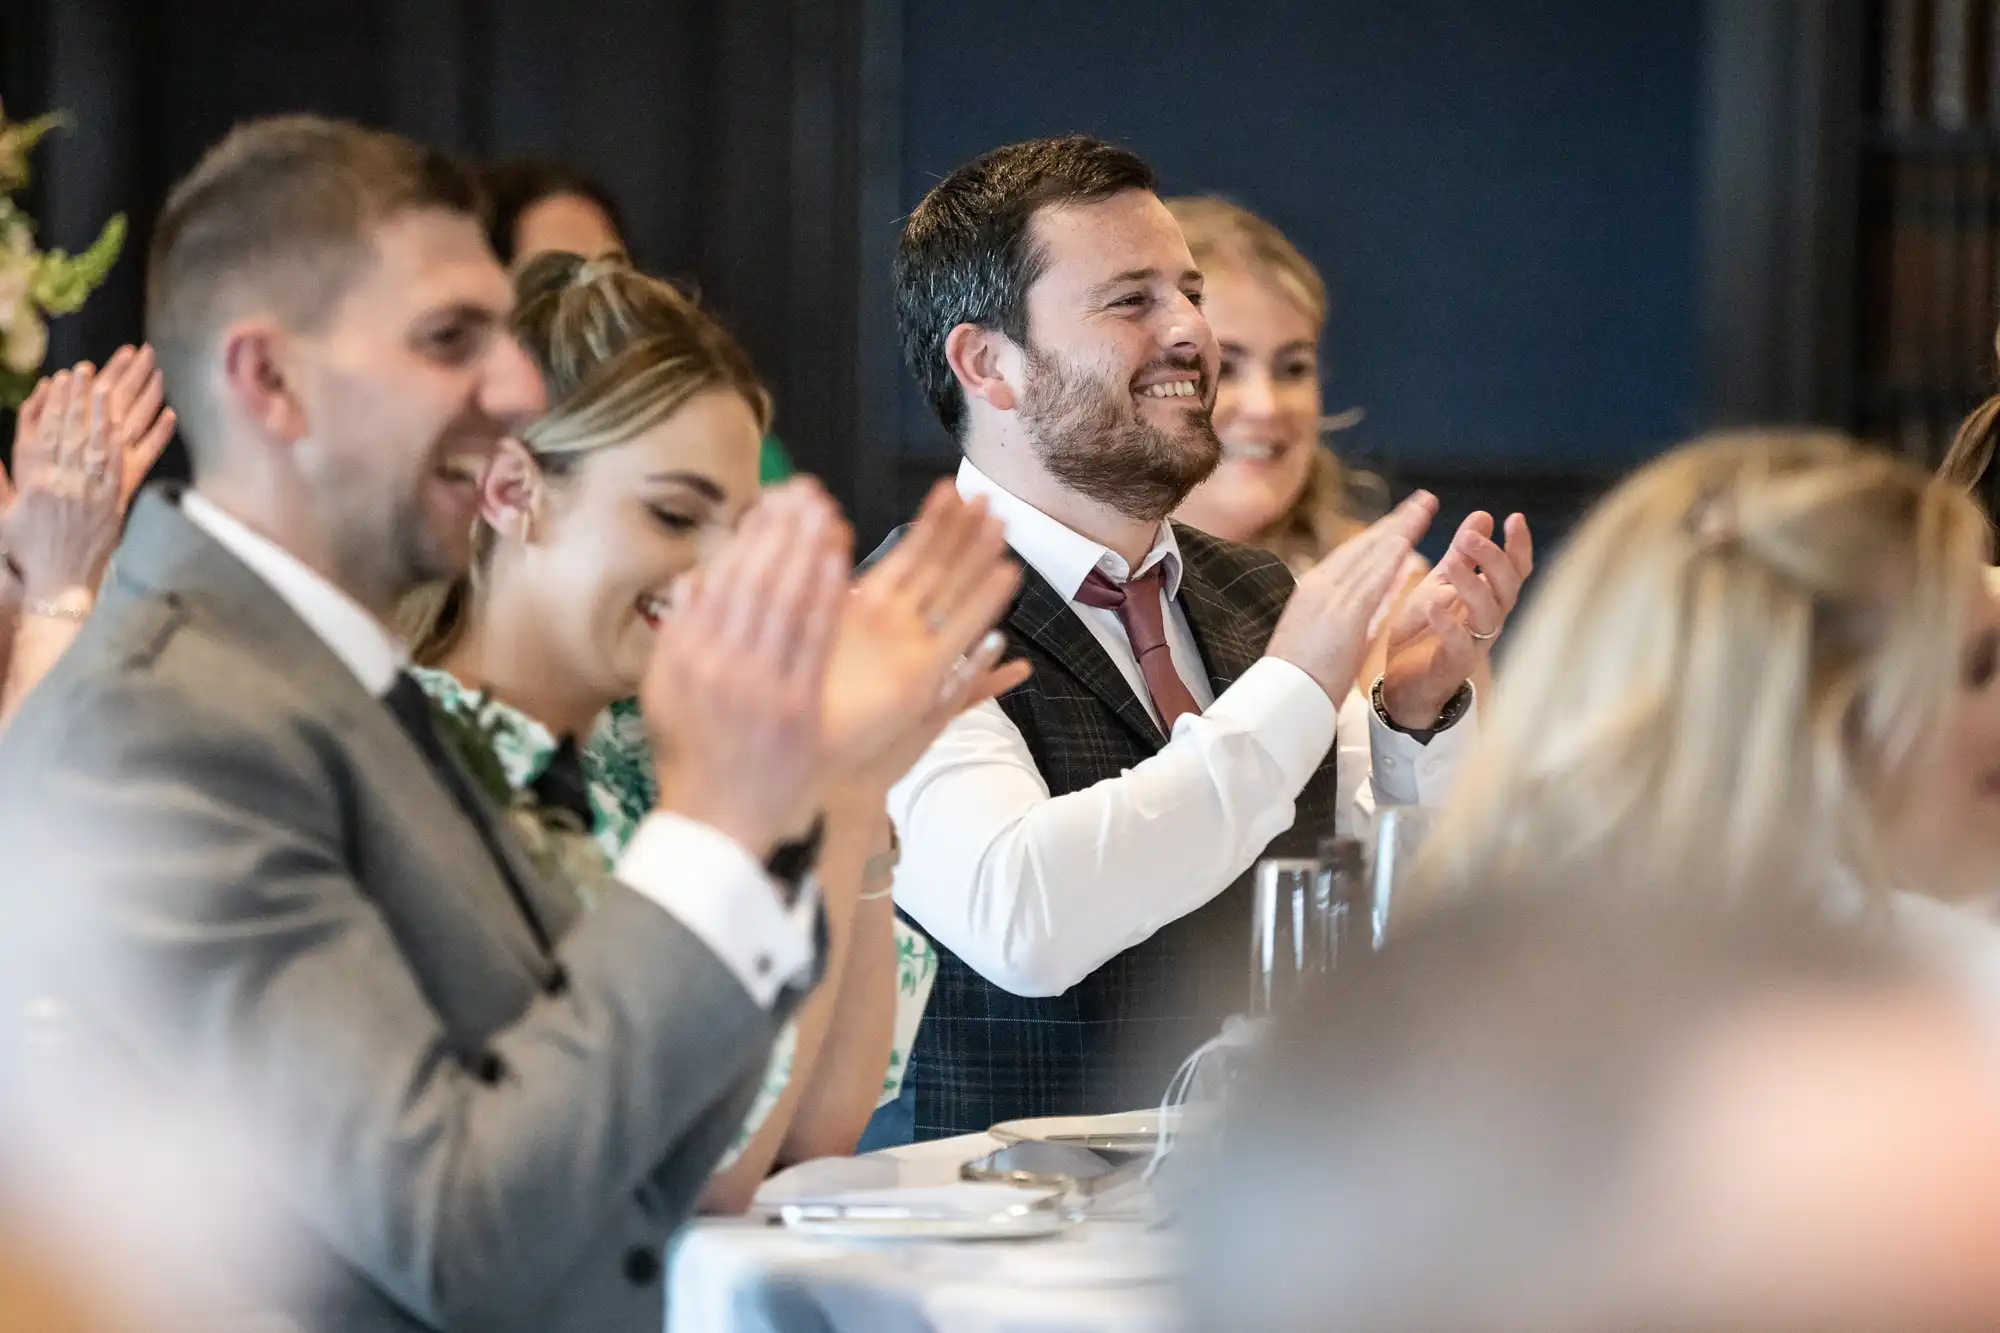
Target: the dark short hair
(278, 215)
(967, 255)
(518, 184)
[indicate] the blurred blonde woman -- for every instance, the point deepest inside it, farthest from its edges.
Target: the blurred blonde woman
(1763, 659)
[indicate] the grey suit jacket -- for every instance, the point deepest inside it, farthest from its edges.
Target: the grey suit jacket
(280, 908)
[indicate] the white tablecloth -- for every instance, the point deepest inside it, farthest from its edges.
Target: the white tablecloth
(1096, 1277)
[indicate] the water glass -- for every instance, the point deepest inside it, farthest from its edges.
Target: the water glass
(1289, 935)
(1400, 831)
(1343, 896)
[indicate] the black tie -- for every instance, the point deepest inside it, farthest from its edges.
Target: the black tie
(411, 706)
(562, 786)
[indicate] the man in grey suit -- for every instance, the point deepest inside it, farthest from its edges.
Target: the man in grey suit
(465, 1102)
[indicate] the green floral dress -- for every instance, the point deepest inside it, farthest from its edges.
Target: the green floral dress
(621, 784)
(621, 757)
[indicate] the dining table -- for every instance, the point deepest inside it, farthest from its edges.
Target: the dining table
(1109, 1272)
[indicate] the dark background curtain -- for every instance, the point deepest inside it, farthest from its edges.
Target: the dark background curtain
(1560, 233)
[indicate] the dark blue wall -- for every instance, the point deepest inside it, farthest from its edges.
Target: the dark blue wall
(1501, 192)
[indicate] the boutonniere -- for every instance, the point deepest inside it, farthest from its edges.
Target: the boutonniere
(557, 847)
(473, 734)
(555, 842)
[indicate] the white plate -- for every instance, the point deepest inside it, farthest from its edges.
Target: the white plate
(990, 1228)
(965, 1211)
(1127, 1131)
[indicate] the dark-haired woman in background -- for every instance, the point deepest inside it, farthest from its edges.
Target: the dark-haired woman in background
(538, 206)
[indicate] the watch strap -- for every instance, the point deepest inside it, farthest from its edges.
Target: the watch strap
(1454, 710)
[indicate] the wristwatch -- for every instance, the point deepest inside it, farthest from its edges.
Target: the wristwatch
(69, 604)
(1454, 709)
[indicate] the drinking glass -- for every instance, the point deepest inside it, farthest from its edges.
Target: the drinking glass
(1288, 931)
(1400, 831)
(1343, 899)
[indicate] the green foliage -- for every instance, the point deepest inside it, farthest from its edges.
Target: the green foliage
(37, 285)
(62, 282)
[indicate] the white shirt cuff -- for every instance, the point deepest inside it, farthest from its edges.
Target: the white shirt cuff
(1408, 772)
(716, 889)
(1286, 710)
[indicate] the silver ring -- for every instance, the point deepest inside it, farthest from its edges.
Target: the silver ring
(96, 471)
(1485, 638)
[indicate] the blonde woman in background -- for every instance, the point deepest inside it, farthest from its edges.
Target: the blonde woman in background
(1277, 487)
(1763, 659)
(644, 463)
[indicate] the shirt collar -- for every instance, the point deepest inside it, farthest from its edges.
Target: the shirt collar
(1062, 555)
(358, 639)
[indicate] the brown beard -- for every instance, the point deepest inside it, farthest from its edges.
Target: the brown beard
(1091, 439)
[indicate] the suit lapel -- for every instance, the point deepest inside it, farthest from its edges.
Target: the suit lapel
(546, 918)
(1218, 627)
(166, 555)
(1046, 618)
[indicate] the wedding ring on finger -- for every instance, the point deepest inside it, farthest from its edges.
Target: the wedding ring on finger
(962, 670)
(1485, 638)
(955, 680)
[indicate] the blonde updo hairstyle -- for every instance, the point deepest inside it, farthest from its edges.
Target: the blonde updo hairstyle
(1336, 502)
(1727, 679)
(619, 353)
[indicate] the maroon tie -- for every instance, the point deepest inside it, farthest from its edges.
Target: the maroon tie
(1138, 606)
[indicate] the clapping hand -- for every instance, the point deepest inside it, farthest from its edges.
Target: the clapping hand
(84, 441)
(773, 684)
(141, 425)
(733, 695)
(916, 644)
(1324, 630)
(1449, 623)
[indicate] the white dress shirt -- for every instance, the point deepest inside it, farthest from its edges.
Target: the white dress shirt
(1035, 892)
(704, 878)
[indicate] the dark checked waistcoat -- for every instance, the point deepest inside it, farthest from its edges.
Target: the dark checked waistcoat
(1112, 1041)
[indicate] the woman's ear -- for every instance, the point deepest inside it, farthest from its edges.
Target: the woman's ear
(510, 494)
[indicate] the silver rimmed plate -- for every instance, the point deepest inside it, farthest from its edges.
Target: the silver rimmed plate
(1125, 1132)
(947, 1212)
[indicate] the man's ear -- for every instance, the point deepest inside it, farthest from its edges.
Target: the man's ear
(987, 364)
(261, 380)
(510, 494)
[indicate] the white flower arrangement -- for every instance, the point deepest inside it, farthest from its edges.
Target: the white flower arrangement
(37, 285)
